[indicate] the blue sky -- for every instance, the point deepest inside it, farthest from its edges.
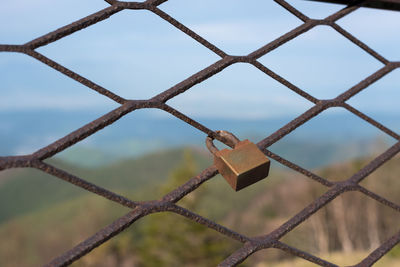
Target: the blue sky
(137, 55)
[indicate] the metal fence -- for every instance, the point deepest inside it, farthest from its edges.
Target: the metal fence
(168, 202)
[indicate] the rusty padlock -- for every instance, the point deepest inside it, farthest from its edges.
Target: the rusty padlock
(241, 166)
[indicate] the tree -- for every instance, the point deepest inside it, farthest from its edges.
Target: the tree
(168, 239)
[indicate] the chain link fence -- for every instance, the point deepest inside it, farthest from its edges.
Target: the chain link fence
(168, 202)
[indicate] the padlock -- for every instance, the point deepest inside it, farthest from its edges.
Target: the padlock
(241, 166)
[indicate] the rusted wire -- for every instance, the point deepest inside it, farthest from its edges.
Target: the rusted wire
(168, 202)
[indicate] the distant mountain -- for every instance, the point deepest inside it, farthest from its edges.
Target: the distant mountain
(334, 136)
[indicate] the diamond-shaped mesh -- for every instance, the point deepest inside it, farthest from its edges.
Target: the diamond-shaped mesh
(168, 202)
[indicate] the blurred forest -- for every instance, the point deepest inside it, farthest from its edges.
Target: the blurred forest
(59, 215)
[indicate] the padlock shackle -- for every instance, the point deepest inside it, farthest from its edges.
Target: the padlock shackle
(225, 134)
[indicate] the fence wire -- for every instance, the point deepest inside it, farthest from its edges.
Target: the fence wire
(168, 202)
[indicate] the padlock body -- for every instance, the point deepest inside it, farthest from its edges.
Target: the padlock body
(243, 165)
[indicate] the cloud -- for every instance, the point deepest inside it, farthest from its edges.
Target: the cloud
(379, 23)
(24, 20)
(377, 28)
(249, 31)
(250, 103)
(132, 50)
(29, 101)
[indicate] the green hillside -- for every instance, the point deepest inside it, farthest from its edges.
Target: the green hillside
(44, 216)
(29, 190)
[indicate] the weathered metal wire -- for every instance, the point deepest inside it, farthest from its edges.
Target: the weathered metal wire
(168, 202)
